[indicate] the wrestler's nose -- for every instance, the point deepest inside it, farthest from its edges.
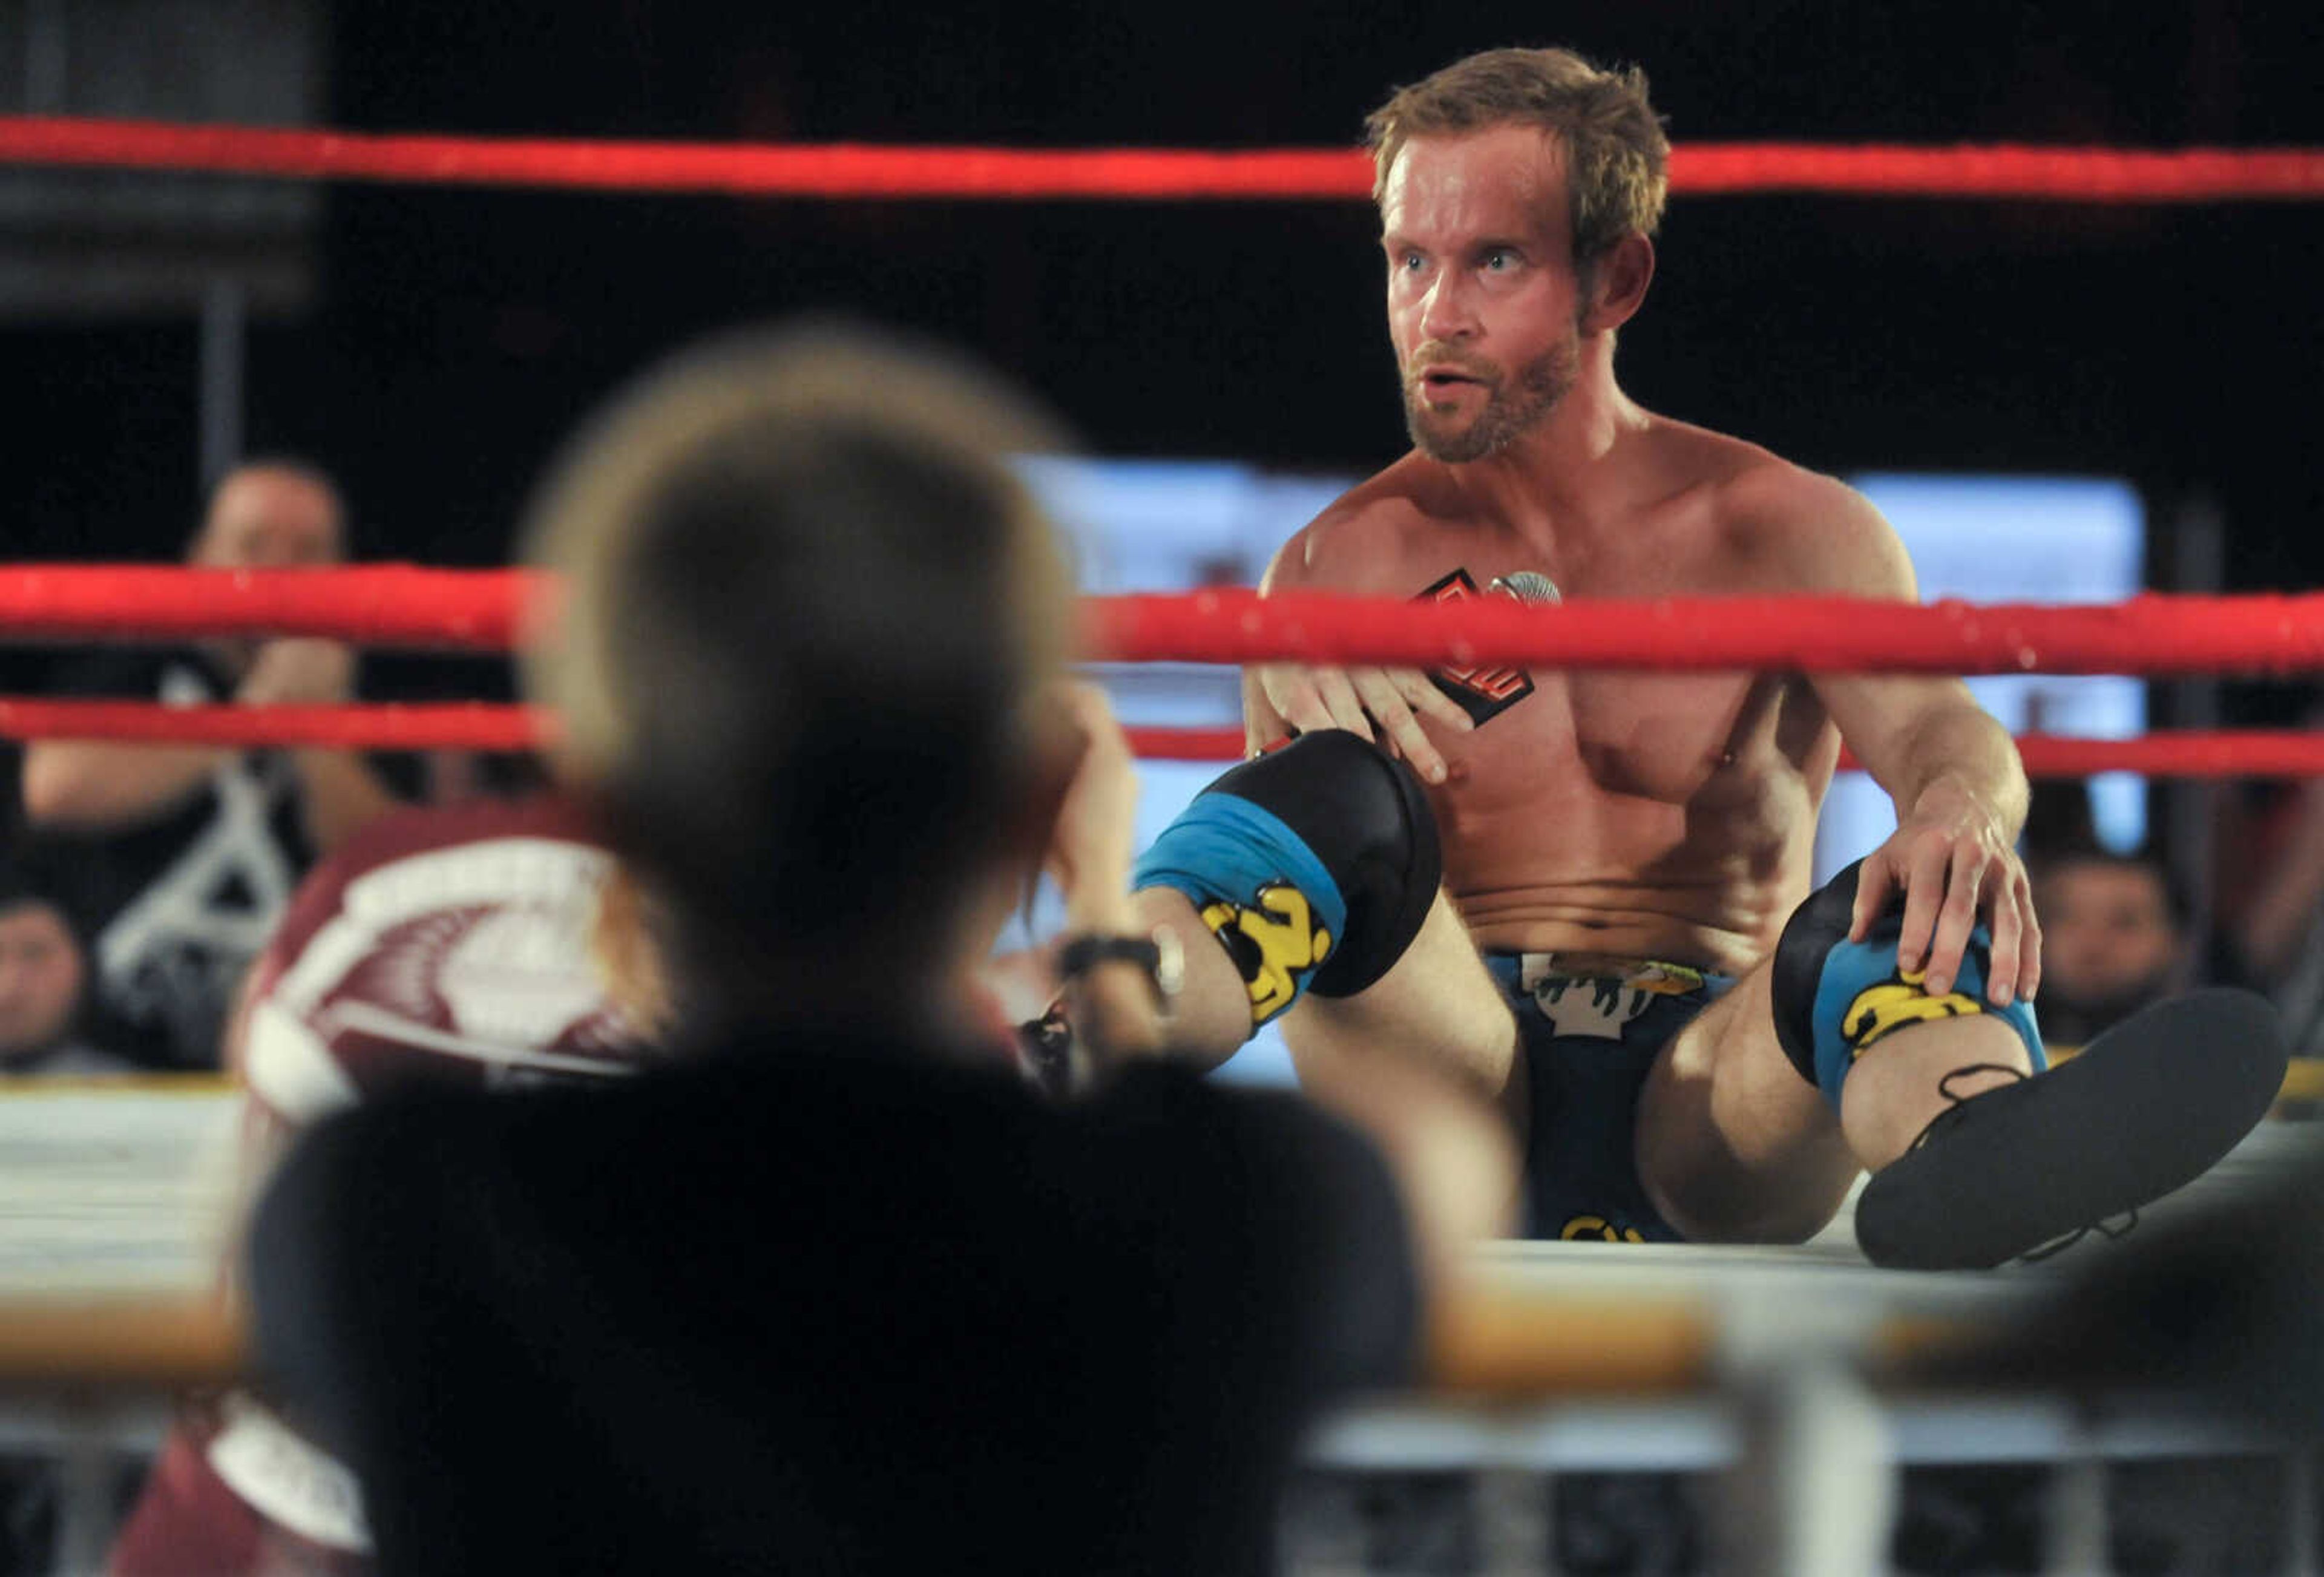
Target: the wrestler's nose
(1445, 310)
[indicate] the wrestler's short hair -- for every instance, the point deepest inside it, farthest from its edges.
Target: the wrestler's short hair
(806, 601)
(1617, 156)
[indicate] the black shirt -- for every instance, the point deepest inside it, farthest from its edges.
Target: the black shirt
(846, 1310)
(176, 907)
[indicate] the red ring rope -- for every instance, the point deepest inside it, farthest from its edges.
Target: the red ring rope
(482, 726)
(2010, 171)
(388, 605)
(400, 605)
(2182, 753)
(474, 725)
(2274, 634)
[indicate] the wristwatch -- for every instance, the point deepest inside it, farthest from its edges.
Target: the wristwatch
(1159, 955)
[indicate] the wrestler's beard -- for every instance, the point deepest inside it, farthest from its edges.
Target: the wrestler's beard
(1512, 406)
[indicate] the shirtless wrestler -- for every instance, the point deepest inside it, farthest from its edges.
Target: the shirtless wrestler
(1626, 849)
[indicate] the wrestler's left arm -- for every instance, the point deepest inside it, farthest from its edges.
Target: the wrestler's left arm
(1952, 770)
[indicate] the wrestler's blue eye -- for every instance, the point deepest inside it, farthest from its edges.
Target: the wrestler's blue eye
(1410, 262)
(1500, 259)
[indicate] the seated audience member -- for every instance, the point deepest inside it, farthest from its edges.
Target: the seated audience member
(839, 1291)
(2113, 940)
(2274, 934)
(180, 857)
(490, 944)
(43, 989)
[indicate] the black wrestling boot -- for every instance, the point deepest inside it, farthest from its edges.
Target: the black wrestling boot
(2147, 1107)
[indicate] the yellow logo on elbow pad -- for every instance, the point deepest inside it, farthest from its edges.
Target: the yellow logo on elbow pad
(1879, 1012)
(1274, 940)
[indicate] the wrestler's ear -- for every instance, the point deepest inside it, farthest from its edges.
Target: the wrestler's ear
(1618, 282)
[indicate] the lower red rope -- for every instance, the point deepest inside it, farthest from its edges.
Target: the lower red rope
(487, 726)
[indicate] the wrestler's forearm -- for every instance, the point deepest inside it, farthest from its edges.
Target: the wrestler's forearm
(1956, 750)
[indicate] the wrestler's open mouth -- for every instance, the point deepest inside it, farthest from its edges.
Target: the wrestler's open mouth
(1440, 381)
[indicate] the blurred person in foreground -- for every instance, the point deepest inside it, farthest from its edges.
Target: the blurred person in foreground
(2114, 939)
(43, 988)
(490, 944)
(177, 860)
(837, 1290)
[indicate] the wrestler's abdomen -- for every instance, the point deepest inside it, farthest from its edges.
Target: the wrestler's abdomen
(1646, 816)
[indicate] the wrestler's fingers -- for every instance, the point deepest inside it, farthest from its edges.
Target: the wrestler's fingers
(1398, 727)
(1344, 707)
(1875, 879)
(2029, 941)
(1421, 694)
(2002, 959)
(1292, 695)
(1955, 917)
(1307, 701)
(1924, 894)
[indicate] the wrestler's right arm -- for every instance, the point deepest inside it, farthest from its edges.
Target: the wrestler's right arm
(1381, 704)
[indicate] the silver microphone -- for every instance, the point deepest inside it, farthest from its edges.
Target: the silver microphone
(1528, 585)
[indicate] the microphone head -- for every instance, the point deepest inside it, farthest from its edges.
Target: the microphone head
(1528, 585)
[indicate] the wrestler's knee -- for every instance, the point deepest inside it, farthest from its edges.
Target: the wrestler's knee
(1835, 999)
(1314, 866)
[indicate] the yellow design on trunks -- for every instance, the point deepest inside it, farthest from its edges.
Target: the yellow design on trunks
(1879, 1012)
(1274, 940)
(1596, 1229)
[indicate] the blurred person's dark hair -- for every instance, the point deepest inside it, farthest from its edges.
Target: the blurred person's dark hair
(2114, 937)
(809, 740)
(44, 975)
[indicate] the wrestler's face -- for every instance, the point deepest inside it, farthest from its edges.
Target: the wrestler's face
(40, 976)
(1483, 299)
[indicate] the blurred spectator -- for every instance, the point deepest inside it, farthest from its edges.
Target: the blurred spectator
(43, 989)
(2113, 938)
(494, 945)
(838, 1292)
(178, 858)
(2275, 941)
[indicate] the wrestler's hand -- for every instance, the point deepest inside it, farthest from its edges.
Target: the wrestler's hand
(1089, 852)
(1955, 865)
(296, 670)
(1384, 704)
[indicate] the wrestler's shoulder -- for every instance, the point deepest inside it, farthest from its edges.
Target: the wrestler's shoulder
(1374, 523)
(1768, 505)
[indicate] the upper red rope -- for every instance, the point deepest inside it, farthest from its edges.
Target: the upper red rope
(2048, 174)
(402, 605)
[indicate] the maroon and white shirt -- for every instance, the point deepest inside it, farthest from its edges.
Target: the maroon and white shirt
(442, 944)
(450, 945)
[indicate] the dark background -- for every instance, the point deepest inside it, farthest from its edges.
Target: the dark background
(455, 335)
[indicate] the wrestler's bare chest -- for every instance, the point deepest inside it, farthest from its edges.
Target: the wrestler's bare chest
(1663, 813)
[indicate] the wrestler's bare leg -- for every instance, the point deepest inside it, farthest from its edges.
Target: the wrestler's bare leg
(1733, 1146)
(1435, 1005)
(1424, 1060)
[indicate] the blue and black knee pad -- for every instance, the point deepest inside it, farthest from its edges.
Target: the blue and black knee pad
(1835, 999)
(1314, 864)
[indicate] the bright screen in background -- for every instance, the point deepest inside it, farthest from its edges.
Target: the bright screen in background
(1174, 525)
